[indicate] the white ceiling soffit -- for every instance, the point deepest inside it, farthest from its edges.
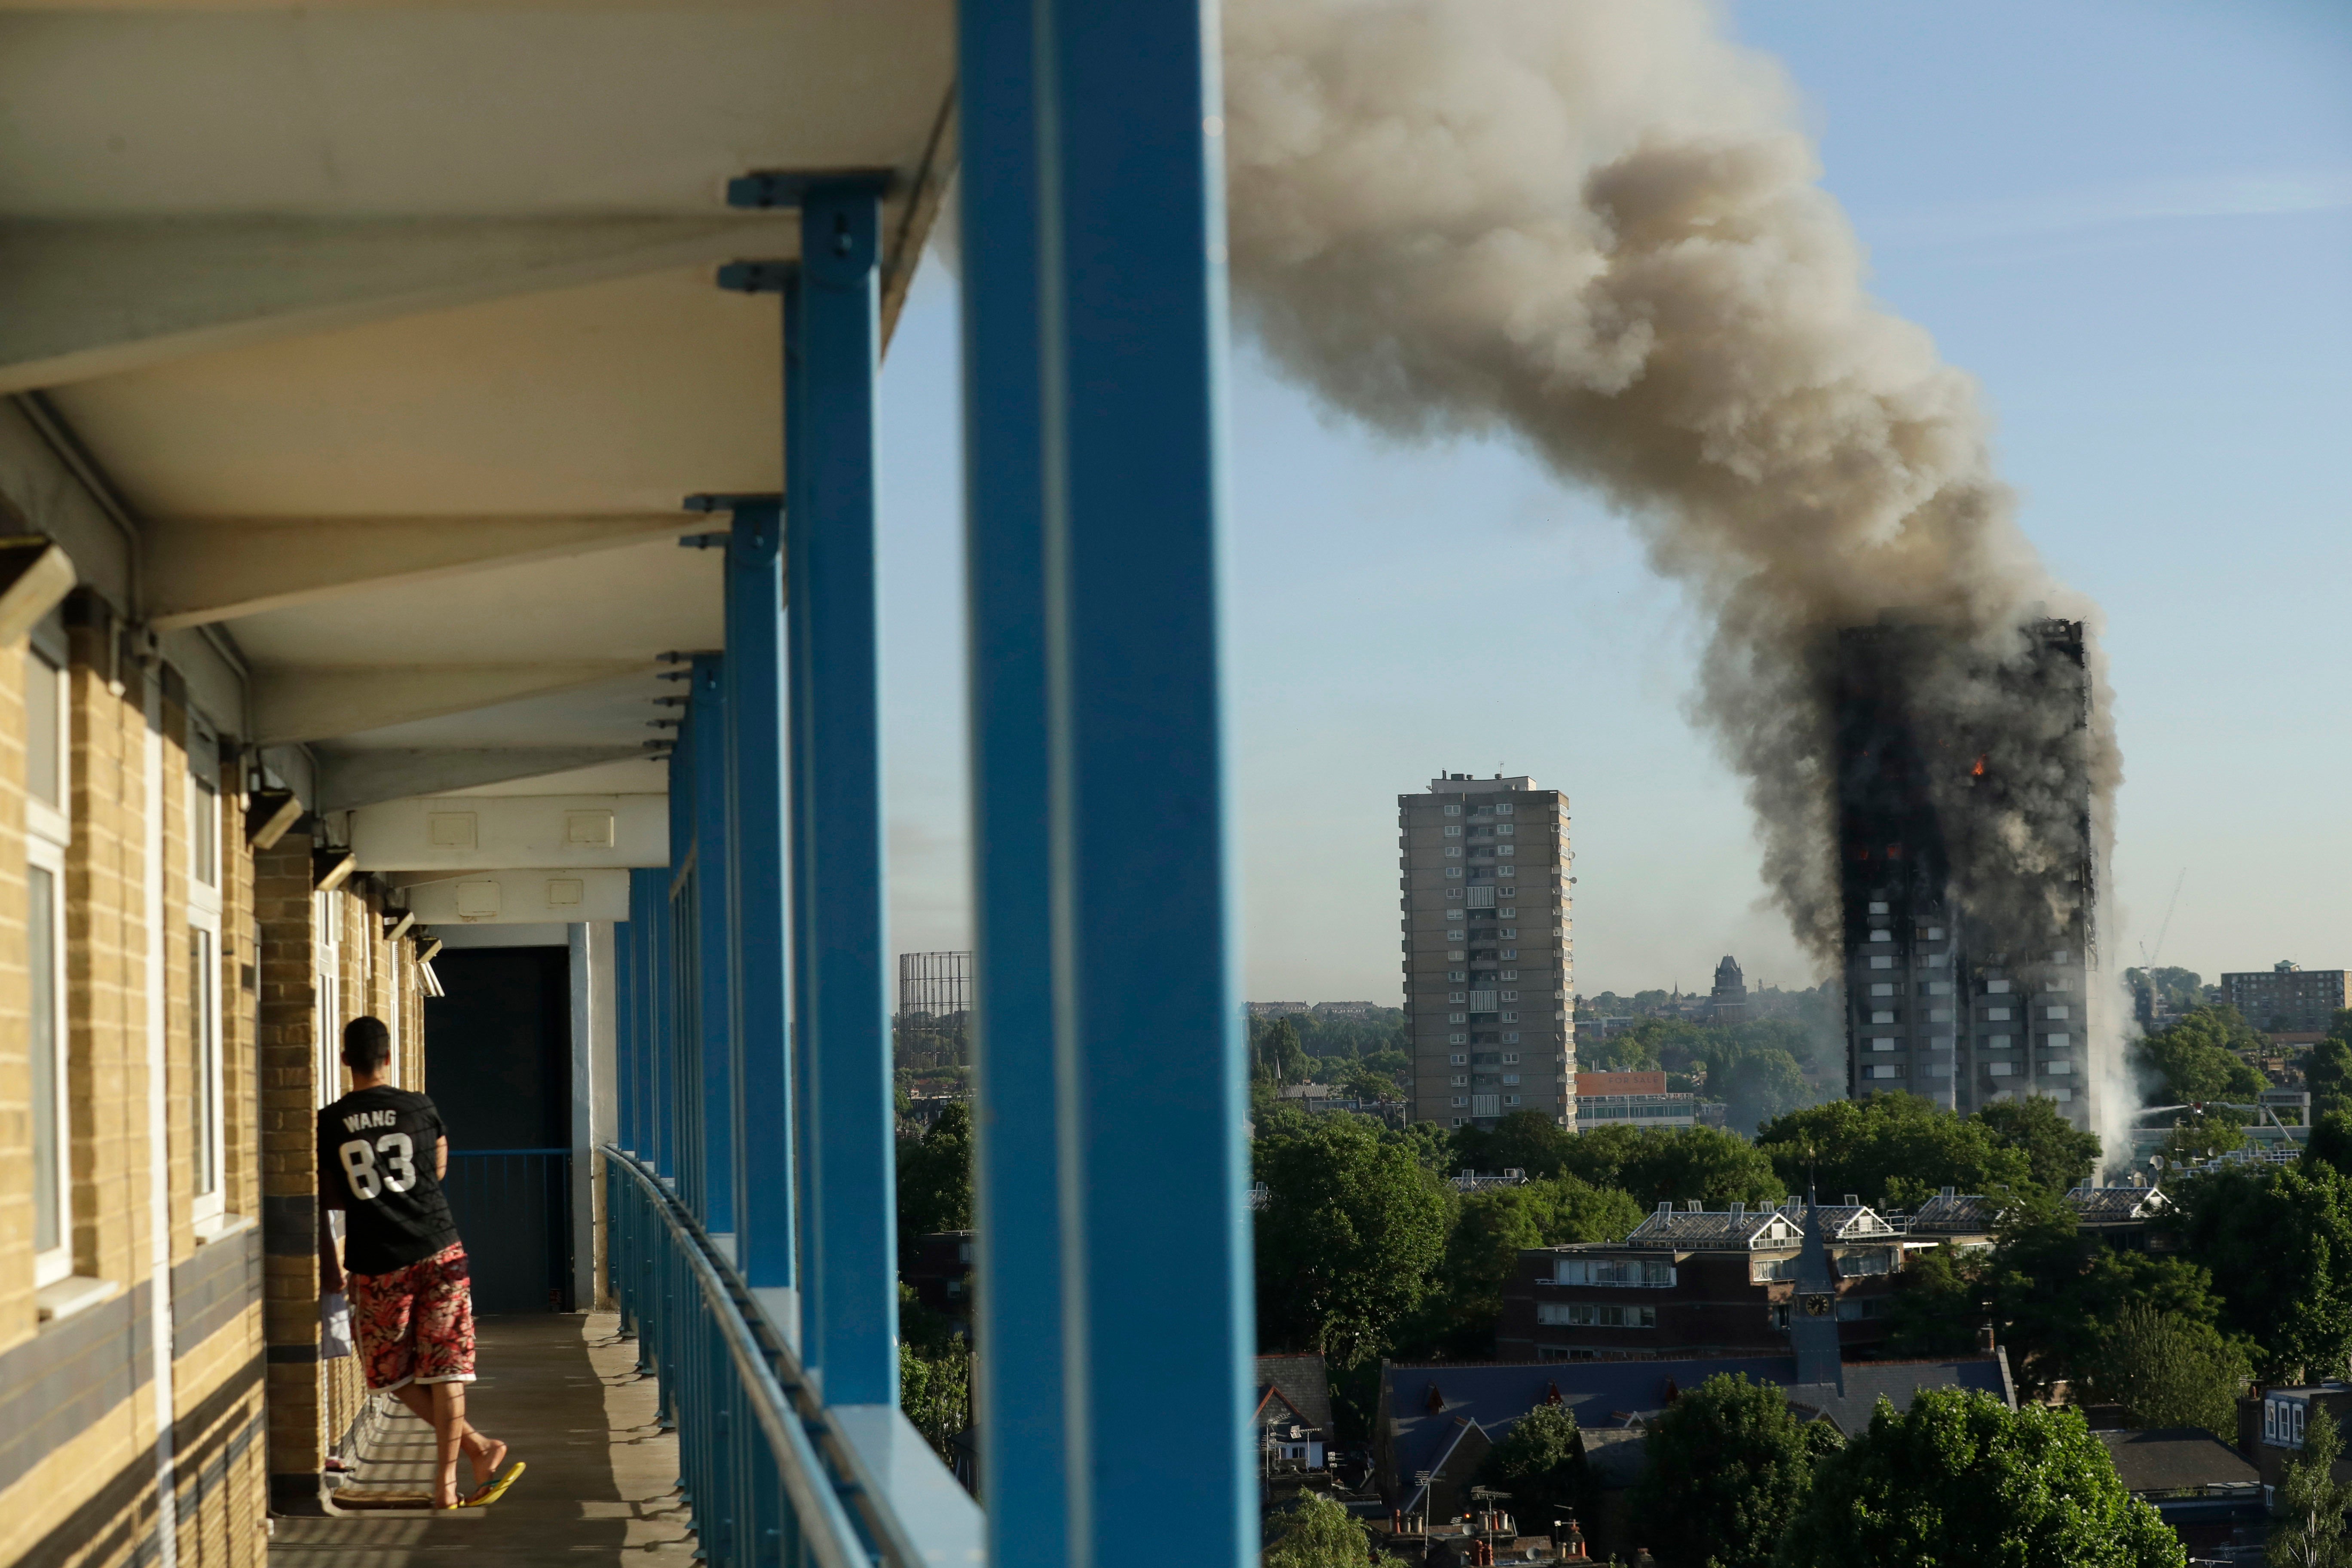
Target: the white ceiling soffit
(308, 702)
(394, 327)
(350, 778)
(524, 898)
(638, 775)
(217, 569)
(608, 832)
(618, 714)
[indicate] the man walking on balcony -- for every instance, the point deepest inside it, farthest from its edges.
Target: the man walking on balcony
(383, 1153)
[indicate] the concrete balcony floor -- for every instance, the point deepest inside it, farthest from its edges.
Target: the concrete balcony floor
(563, 1394)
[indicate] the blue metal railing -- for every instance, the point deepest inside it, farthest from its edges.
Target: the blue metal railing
(771, 1474)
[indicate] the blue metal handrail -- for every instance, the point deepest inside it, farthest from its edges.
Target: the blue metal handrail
(715, 1352)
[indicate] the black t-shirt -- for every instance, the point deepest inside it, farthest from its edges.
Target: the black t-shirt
(376, 1155)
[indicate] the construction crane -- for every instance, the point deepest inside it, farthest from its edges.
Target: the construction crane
(2148, 959)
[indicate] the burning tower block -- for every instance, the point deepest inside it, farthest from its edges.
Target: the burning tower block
(1967, 864)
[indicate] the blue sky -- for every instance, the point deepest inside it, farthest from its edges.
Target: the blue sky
(2132, 221)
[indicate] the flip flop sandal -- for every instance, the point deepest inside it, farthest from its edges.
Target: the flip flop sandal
(496, 1487)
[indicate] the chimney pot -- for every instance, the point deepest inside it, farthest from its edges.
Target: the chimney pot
(1853, 1200)
(1694, 1206)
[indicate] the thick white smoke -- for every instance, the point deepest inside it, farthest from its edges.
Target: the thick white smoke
(1595, 224)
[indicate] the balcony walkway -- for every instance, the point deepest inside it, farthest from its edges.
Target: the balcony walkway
(566, 1398)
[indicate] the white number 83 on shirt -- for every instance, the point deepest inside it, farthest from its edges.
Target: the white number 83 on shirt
(367, 1179)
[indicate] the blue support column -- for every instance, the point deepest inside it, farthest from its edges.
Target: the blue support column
(714, 1001)
(1017, 1197)
(677, 997)
(1130, 326)
(849, 1308)
(662, 1134)
(626, 1034)
(760, 1024)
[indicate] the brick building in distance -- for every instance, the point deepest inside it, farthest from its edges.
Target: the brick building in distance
(1698, 1282)
(2287, 1000)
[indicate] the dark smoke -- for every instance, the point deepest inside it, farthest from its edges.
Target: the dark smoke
(1593, 225)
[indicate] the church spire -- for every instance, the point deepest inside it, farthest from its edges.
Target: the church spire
(1812, 1315)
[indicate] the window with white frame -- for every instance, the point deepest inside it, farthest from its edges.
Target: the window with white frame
(208, 1131)
(1650, 1273)
(1594, 1315)
(327, 993)
(49, 830)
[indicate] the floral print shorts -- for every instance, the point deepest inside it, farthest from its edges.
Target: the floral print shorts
(415, 1324)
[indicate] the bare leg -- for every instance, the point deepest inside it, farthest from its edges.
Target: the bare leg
(484, 1454)
(448, 1440)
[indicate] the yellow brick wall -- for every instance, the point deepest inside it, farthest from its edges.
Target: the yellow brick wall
(239, 1418)
(105, 951)
(282, 907)
(92, 1497)
(18, 1320)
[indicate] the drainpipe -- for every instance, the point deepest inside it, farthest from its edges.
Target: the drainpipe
(159, 1152)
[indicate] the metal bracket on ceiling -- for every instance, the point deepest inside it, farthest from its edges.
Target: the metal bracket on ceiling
(724, 502)
(790, 187)
(757, 277)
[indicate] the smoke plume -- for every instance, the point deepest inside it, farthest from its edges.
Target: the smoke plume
(1595, 226)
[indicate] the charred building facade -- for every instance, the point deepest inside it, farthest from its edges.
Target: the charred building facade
(1967, 864)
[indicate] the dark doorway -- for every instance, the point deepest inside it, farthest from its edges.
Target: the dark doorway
(498, 1063)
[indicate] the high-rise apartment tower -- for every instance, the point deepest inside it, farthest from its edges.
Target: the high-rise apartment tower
(1966, 975)
(1488, 950)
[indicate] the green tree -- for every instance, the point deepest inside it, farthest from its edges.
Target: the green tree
(2278, 1240)
(2327, 1069)
(1657, 1164)
(1489, 1231)
(935, 1391)
(935, 1179)
(2169, 1369)
(1279, 1054)
(1729, 1465)
(1525, 1140)
(2176, 989)
(1619, 1053)
(2196, 1058)
(2331, 1142)
(2052, 1295)
(1540, 1465)
(1319, 1534)
(2310, 1529)
(1430, 1145)
(2058, 1155)
(1756, 1086)
(1960, 1478)
(1941, 1299)
(1893, 1149)
(2196, 1137)
(1583, 1212)
(1352, 1226)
